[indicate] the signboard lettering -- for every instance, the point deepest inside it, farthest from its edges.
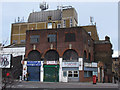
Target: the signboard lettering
(51, 62)
(33, 63)
(70, 64)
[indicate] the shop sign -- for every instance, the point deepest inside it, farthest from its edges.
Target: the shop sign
(87, 64)
(80, 64)
(5, 61)
(90, 69)
(70, 64)
(33, 63)
(51, 62)
(94, 64)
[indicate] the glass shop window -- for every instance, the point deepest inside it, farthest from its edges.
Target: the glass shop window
(75, 73)
(87, 73)
(69, 73)
(34, 38)
(64, 73)
(51, 38)
(70, 37)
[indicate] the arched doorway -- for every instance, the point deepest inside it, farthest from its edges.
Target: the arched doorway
(70, 65)
(34, 65)
(51, 69)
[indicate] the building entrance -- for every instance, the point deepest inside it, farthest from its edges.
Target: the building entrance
(33, 73)
(51, 73)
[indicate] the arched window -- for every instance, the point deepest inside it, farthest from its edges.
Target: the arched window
(70, 55)
(85, 55)
(34, 56)
(51, 55)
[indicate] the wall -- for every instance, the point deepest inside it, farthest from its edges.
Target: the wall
(103, 53)
(62, 46)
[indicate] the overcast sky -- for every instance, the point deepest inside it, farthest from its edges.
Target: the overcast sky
(105, 15)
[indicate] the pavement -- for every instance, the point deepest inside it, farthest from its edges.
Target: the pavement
(32, 84)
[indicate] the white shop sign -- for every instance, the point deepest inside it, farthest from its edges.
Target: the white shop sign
(5, 61)
(94, 64)
(80, 64)
(87, 64)
(51, 62)
(70, 64)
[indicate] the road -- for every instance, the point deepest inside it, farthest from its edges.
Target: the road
(25, 84)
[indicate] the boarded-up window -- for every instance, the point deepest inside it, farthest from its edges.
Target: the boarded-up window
(70, 37)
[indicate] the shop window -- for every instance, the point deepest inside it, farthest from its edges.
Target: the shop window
(70, 22)
(72, 73)
(69, 73)
(87, 73)
(34, 38)
(64, 23)
(49, 25)
(64, 73)
(51, 38)
(75, 73)
(70, 37)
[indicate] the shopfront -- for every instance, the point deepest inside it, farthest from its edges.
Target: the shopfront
(70, 71)
(32, 70)
(90, 69)
(51, 72)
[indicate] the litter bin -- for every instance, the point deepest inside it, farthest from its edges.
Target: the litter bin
(94, 79)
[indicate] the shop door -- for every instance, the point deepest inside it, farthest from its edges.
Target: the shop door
(33, 73)
(73, 76)
(51, 74)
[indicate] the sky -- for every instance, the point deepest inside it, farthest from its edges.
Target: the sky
(105, 15)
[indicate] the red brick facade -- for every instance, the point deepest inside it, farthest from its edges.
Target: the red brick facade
(43, 46)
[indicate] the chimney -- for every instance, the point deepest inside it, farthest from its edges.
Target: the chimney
(107, 38)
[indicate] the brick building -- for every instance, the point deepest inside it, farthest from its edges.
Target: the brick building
(65, 46)
(103, 52)
(56, 49)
